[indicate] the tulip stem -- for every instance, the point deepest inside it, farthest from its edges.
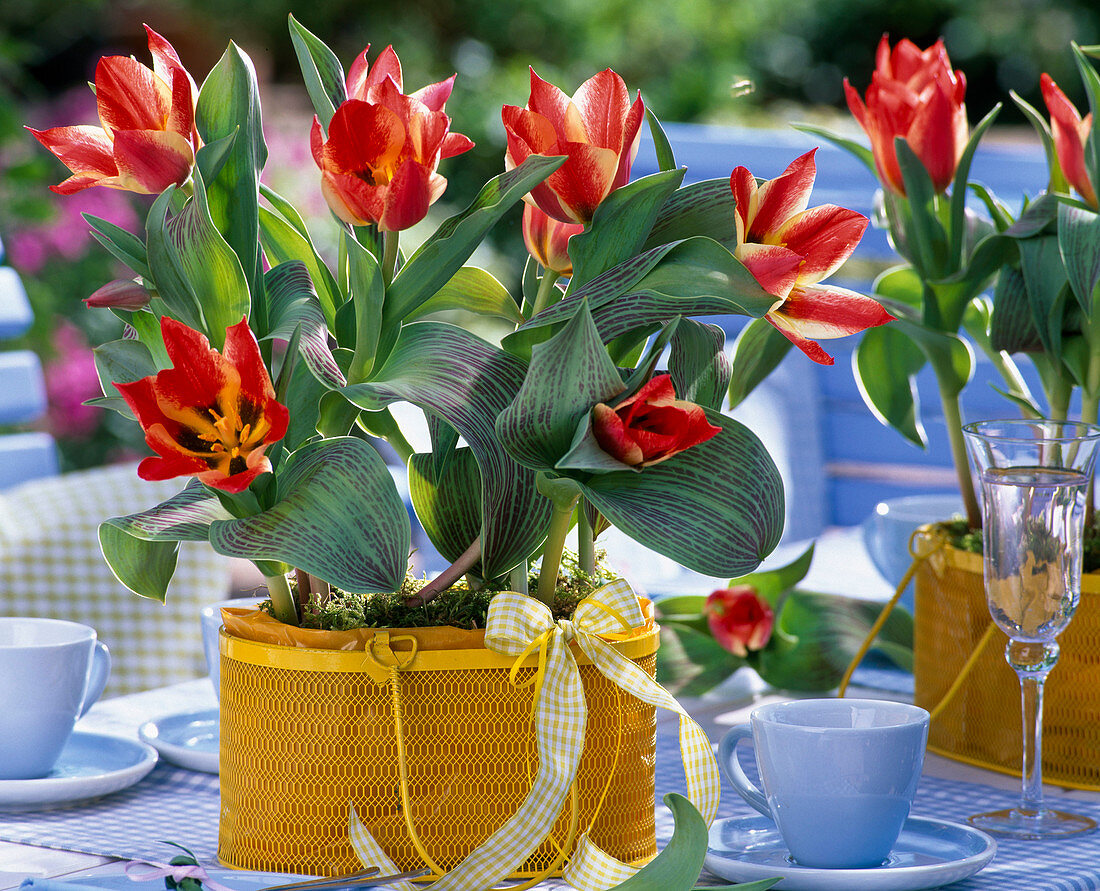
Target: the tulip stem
(546, 291)
(390, 250)
(563, 494)
(586, 543)
(448, 577)
(282, 600)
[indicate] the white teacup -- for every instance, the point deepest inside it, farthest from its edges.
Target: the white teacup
(839, 775)
(53, 671)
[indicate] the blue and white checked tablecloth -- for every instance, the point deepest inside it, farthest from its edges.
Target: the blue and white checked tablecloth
(181, 806)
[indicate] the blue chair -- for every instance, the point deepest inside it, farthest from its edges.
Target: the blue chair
(23, 456)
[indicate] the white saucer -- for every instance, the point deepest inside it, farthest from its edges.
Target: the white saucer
(928, 854)
(187, 740)
(91, 764)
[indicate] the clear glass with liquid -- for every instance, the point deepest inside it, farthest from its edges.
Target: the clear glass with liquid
(1035, 483)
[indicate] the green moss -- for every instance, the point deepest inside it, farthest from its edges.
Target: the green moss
(963, 537)
(460, 606)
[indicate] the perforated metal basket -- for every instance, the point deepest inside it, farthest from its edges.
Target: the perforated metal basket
(981, 723)
(305, 731)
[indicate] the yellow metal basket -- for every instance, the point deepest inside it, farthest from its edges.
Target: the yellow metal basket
(305, 732)
(980, 723)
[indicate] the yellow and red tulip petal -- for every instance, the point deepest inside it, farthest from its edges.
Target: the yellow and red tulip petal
(610, 433)
(610, 119)
(772, 203)
(149, 161)
(823, 312)
(130, 96)
(119, 294)
(362, 77)
(435, 96)
(455, 144)
(363, 139)
(1070, 132)
(409, 195)
(937, 135)
(824, 236)
(547, 239)
(740, 620)
(86, 151)
(775, 268)
(583, 181)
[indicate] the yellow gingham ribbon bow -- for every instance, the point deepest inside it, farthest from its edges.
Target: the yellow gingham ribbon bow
(518, 625)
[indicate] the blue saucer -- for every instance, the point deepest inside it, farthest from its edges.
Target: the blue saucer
(188, 740)
(928, 854)
(90, 765)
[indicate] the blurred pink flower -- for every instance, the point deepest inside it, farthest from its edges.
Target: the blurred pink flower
(70, 380)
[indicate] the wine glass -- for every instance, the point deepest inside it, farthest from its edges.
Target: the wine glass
(1035, 478)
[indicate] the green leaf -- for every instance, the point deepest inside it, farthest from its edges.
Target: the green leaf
(1047, 287)
(122, 245)
(448, 504)
(951, 357)
(283, 242)
(471, 290)
(719, 524)
(293, 304)
(568, 375)
(338, 517)
(774, 583)
(467, 382)
(958, 188)
(692, 662)
(860, 152)
(368, 291)
(208, 265)
(1079, 245)
(444, 253)
(228, 103)
(885, 365)
(704, 208)
(698, 363)
(145, 567)
(824, 633)
(1012, 326)
(1057, 182)
(666, 160)
(321, 71)
(164, 266)
(1091, 80)
(147, 326)
(677, 866)
(925, 236)
(123, 362)
(620, 225)
(757, 352)
(302, 398)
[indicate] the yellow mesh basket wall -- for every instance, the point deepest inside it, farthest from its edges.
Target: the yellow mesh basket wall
(297, 745)
(981, 723)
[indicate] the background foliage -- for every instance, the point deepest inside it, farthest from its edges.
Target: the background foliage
(686, 56)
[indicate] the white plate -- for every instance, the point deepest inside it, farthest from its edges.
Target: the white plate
(187, 740)
(928, 854)
(91, 764)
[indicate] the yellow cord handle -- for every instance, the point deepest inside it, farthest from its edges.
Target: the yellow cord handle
(964, 671)
(918, 558)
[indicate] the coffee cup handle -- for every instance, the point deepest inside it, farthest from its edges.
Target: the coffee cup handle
(727, 757)
(97, 677)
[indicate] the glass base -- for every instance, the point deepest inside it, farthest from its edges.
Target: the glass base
(1020, 823)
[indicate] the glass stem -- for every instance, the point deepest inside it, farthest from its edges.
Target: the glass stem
(1031, 701)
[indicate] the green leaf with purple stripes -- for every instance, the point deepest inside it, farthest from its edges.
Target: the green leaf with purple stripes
(700, 368)
(339, 517)
(452, 244)
(705, 208)
(716, 508)
(568, 375)
(1079, 244)
(467, 382)
(448, 504)
(292, 302)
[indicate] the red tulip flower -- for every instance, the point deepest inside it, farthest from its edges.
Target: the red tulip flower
(147, 140)
(651, 426)
(789, 249)
(379, 162)
(739, 619)
(211, 415)
(913, 94)
(547, 239)
(598, 130)
(1070, 132)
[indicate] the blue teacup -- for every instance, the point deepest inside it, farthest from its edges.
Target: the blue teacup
(839, 775)
(53, 672)
(211, 617)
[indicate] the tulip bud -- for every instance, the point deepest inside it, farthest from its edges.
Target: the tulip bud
(740, 620)
(119, 294)
(546, 239)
